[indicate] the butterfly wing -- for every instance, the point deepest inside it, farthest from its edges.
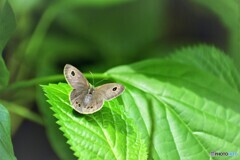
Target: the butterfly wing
(85, 103)
(92, 107)
(82, 105)
(80, 87)
(108, 91)
(75, 78)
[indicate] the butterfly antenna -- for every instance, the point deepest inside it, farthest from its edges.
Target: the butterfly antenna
(101, 80)
(92, 78)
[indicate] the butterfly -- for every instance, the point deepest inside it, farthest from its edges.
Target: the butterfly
(84, 98)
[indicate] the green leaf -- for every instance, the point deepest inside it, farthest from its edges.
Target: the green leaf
(182, 111)
(6, 148)
(7, 26)
(107, 134)
(22, 111)
(4, 74)
(203, 57)
(55, 136)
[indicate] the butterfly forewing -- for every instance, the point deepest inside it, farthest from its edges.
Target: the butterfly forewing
(75, 78)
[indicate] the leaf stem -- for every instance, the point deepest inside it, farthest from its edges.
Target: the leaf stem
(48, 79)
(22, 111)
(32, 82)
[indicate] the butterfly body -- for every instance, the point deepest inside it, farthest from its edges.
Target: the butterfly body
(84, 98)
(89, 97)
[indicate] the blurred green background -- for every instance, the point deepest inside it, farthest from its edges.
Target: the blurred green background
(95, 35)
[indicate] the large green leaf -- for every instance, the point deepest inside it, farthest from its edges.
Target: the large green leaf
(6, 148)
(7, 26)
(182, 111)
(107, 134)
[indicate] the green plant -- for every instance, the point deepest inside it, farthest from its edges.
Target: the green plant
(178, 103)
(175, 103)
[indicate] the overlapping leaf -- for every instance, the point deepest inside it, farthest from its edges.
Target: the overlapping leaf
(183, 112)
(204, 58)
(7, 26)
(107, 134)
(6, 148)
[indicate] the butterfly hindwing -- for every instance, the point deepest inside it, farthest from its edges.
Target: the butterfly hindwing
(84, 106)
(108, 91)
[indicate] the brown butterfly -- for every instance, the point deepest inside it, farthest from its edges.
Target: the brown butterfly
(84, 98)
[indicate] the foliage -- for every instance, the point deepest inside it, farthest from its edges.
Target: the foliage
(161, 102)
(7, 26)
(179, 62)
(6, 148)
(108, 134)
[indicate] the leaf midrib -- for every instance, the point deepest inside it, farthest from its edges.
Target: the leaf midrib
(63, 111)
(197, 132)
(172, 77)
(177, 117)
(148, 132)
(108, 142)
(186, 126)
(230, 123)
